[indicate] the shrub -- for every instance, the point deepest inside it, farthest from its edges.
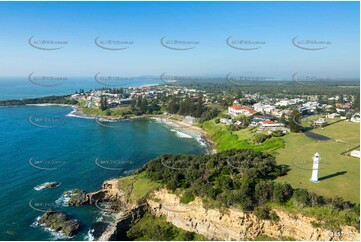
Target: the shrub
(277, 133)
(187, 197)
(262, 212)
(302, 197)
(260, 138)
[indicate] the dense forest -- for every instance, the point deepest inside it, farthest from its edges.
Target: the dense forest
(243, 178)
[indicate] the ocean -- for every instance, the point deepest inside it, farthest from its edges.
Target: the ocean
(20, 88)
(48, 144)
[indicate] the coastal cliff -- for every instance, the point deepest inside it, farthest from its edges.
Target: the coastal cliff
(238, 225)
(214, 224)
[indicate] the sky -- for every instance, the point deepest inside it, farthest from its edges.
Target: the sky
(208, 24)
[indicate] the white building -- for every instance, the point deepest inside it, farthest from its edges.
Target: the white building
(356, 118)
(271, 124)
(237, 110)
(355, 153)
(263, 108)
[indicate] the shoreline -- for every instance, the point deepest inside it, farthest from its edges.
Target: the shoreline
(77, 112)
(190, 128)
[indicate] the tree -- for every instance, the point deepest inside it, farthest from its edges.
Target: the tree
(283, 119)
(281, 192)
(172, 106)
(103, 103)
(294, 121)
(356, 102)
(132, 105)
(144, 106)
(199, 109)
(302, 197)
(260, 138)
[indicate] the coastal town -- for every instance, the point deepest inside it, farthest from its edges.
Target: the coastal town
(249, 111)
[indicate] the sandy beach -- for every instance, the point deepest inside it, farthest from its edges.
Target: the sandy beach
(165, 119)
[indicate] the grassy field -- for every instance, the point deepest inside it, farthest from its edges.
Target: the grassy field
(137, 186)
(339, 174)
(225, 139)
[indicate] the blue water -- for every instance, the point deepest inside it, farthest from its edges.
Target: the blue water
(20, 88)
(70, 148)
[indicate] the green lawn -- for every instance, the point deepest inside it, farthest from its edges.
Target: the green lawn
(343, 130)
(296, 150)
(298, 155)
(137, 186)
(225, 139)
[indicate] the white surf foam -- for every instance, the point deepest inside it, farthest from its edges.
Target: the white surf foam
(43, 186)
(181, 135)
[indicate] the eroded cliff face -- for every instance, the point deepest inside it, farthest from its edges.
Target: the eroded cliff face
(127, 214)
(231, 224)
(235, 224)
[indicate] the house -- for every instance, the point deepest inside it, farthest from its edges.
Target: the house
(333, 115)
(340, 110)
(283, 103)
(355, 153)
(226, 121)
(237, 110)
(321, 122)
(271, 124)
(355, 118)
(263, 108)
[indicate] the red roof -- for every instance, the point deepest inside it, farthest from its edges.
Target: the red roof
(243, 108)
(268, 122)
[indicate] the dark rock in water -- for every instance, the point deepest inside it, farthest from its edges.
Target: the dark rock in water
(52, 184)
(77, 197)
(98, 229)
(59, 222)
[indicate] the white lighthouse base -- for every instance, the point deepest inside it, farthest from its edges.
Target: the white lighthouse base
(314, 181)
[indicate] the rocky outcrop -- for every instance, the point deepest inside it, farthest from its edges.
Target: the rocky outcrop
(76, 197)
(51, 185)
(124, 219)
(109, 192)
(237, 225)
(59, 222)
(128, 212)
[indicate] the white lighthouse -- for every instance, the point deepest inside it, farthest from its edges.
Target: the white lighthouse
(316, 162)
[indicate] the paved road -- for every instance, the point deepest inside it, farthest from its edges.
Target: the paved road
(315, 136)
